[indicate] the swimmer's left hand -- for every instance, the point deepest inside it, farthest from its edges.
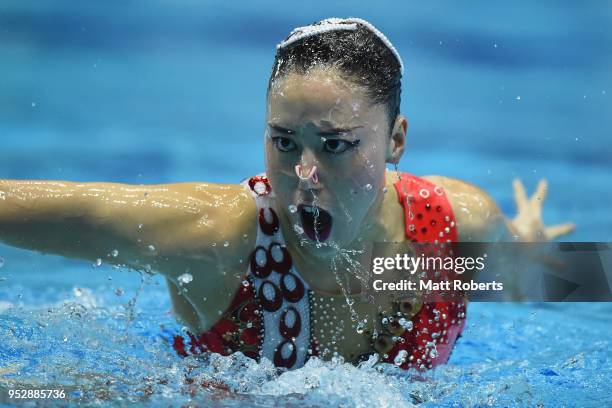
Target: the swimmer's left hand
(528, 225)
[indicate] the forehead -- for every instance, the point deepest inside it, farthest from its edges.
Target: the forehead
(320, 96)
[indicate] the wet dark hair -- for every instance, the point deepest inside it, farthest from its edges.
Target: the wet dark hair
(360, 56)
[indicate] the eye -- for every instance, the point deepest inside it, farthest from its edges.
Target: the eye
(337, 146)
(284, 144)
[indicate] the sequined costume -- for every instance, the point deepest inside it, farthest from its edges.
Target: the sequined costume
(272, 312)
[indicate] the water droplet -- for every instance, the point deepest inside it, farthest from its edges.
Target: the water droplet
(97, 263)
(245, 283)
(368, 187)
(400, 358)
(385, 190)
(151, 248)
(298, 229)
(119, 292)
(78, 292)
(114, 253)
(226, 244)
(213, 244)
(185, 278)
(140, 226)
(292, 209)
(33, 104)
(518, 98)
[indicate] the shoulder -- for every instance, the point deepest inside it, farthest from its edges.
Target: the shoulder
(214, 215)
(477, 215)
(232, 201)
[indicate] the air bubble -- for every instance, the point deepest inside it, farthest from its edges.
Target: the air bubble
(185, 278)
(400, 358)
(292, 209)
(368, 187)
(119, 292)
(226, 244)
(406, 324)
(151, 248)
(97, 263)
(298, 229)
(114, 253)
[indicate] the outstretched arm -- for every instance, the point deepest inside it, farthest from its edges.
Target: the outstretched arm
(162, 227)
(479, 218)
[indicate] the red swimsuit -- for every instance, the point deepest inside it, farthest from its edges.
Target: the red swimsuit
(275, 300)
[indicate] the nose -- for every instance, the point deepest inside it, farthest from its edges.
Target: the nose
(308, 175)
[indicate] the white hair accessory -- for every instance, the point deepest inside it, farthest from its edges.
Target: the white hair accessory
(335, 24)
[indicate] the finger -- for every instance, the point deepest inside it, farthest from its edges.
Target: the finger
(540, 195)
(520, 197)
(559, 230)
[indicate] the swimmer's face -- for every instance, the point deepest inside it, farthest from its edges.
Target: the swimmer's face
(320, 119)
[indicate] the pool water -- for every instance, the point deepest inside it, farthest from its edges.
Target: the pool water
(159, 93)
(102, 344)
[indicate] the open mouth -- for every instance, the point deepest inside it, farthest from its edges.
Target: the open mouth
(317, 222)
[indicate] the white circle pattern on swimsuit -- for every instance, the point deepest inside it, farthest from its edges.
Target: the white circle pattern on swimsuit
(282, 293)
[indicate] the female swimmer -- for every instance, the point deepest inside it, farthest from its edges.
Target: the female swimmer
(260, 267)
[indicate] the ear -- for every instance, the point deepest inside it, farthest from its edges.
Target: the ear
(397, 141)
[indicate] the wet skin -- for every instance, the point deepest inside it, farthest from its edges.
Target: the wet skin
(209, 230)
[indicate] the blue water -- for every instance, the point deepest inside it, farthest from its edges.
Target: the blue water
(150, 92)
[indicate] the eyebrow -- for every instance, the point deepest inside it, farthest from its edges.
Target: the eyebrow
(337, 130)
(280, 128)
(329, 131)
